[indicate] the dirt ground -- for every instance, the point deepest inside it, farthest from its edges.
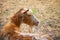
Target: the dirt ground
(47, 11)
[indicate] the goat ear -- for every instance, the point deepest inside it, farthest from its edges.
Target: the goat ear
(19, 11)
(29, 12)
(25, 10)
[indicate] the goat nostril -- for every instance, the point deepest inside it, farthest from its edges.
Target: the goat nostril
(37, 22)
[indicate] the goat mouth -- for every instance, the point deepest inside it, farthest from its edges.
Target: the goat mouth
(36, 24)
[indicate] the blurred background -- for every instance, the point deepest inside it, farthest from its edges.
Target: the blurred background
(47, 11)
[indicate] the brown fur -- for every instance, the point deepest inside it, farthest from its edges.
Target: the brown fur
(11, 26)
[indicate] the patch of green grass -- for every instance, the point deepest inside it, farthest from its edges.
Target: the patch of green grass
(34, 11)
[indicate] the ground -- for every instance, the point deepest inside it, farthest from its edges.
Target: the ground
(47, 11)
